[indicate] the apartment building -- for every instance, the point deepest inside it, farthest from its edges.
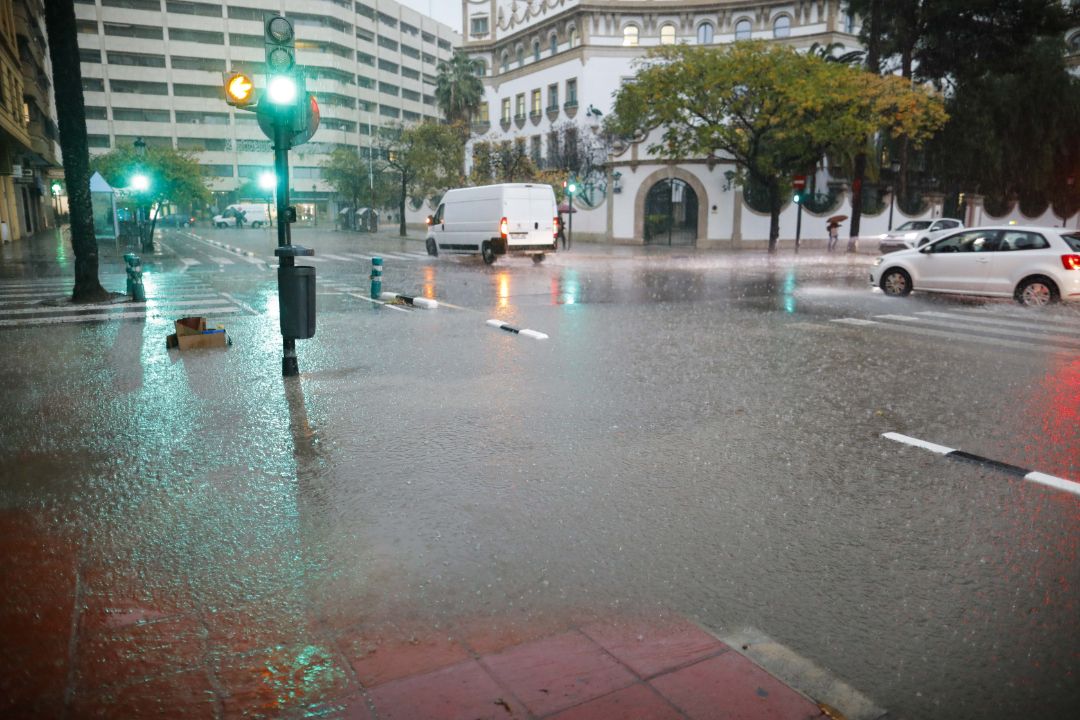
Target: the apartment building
(29, 148)
(153, 69)
(552, 67)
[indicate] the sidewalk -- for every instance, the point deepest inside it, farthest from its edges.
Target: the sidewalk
(81, 642)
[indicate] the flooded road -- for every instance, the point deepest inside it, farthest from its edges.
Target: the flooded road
(701, 433)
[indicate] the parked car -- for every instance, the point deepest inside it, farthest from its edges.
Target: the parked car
(492, 220)
(175, 220)
(916, 233)
(1034, 265)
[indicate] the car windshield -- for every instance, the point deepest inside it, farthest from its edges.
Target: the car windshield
(1073, 241)
(914, 225)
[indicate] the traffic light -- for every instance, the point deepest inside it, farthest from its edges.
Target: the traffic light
(240, 90)
(280, 44)
(56, 187)
(797, 197)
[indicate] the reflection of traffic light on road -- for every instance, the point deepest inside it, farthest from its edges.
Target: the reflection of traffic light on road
(240, 90)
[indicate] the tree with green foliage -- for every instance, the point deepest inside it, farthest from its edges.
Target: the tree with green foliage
(426, 160)
(458, 88)
(351, 178)
(71, 114)
(175, 176)
(772, 110)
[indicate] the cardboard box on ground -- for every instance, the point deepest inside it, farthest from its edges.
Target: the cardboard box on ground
(191, 334)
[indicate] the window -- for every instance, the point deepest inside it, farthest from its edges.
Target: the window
(193, 8)
(445, 45)
(97, 141)
(535, 152)
(136, 59)
(147, 32)
(571, 37)
(504, 63)
(93, 84)
(138, 115)
(194, 63)
(553, 43)
(239, 40)
(144, 88)
(243, 13)
(410, 115)
(705, 33)
(553, 148)
(389, 88)
(365, 34)
(410, 51)
(630, 36)
(970, 241)
(95, 113)
(410, 95)
(153, 5)
(387, 66)
(535, 102)
(387, 43)
(320, 21)
(202, 118)
(520, 106)
(388, 111)
(386, 19)
(362, 57)
(410, 29)
(90, 55)
(479, 25)
(482, 113)
(203, 91)
(520, 56)
(505, 116)
(667, 35)
(428, 37)
(365, 10)
(553, 97)
(849, 24)
(199, 36)
(742, 30)
(410, 73)
(1015, 240)
(536, 51)
(337, 124)
(571, 92)
(781, 27)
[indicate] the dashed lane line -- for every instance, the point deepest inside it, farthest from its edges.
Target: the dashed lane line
(1059, 483)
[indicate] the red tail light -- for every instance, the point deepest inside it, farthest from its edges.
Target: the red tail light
(1071, 262)
(555, 227)
(504, 228)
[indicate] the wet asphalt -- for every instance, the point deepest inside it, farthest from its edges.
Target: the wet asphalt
(698, 433)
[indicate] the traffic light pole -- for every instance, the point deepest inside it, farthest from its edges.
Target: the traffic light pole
(289, 363)
(798, 225)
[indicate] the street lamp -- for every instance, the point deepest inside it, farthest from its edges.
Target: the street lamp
(140, 183)
(895, 167)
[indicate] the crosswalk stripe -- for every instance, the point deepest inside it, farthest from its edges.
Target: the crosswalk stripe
(223, 261)
(1058, 339)
(359, 256)
(336, 257)
(1049, 323)
(1016, 344)
(44, 309)
(854, 321)
(190, 261)
(109, 316)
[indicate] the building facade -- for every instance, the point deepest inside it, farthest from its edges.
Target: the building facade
(553, 66)
(153, 69)
(29, 148)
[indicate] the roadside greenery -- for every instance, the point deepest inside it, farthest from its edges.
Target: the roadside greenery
(425, 160)
(774, 111)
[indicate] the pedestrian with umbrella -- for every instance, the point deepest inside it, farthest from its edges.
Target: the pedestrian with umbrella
(833, 226)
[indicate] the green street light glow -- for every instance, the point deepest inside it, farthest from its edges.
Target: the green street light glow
(571, 188)
(281, 90)
(140, 183)
(56, 187)
(267, 181)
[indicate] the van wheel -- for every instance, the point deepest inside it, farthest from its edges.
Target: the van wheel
(538, 258)
(487, 253)
(432, 248)
(256, 225)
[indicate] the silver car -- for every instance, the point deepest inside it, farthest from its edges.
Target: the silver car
(916, 233)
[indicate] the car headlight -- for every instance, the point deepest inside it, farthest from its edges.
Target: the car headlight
(878, 261)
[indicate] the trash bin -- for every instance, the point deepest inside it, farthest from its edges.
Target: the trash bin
(296, 287)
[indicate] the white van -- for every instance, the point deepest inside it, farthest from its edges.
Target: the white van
(491, 220)
(254, 215)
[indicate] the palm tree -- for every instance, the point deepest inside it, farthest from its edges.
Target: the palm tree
(828, 53)
(458, 88)
(71, 114)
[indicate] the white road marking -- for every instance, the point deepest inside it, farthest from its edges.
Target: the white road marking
(915, 442)
(108, 316)
(1055, 482)
(1060, 339)
(336, 257)
(190, 261)
(150, 305)
(854, 321)
(1073, 328)
(377, 302)
(1015, 344)
(223, 261)
(247, 307)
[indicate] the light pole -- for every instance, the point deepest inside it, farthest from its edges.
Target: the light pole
(895, 167)
(571, 188)
(141, 183)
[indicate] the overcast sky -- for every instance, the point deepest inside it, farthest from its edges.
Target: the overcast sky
(445, 11)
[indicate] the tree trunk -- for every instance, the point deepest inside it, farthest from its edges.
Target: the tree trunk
(873, 64)
(774, 214)
(71, 114)
(401, 206)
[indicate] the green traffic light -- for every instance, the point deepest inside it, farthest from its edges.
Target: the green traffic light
(281, 90)
(140, 183)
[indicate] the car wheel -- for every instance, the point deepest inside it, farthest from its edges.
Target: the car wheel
(1037, 291)
(432, 248)
(538, 258)
(896, 282)
(488, 253)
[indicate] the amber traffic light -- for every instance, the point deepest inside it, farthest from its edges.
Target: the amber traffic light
(240, 90)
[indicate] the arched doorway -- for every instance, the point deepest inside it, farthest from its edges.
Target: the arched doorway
(671, 213)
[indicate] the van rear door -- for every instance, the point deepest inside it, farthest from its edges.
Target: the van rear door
(542, 208)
